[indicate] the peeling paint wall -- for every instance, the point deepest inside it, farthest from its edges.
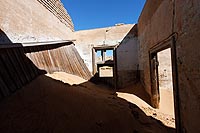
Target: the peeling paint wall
(30, 21)
(156, 24)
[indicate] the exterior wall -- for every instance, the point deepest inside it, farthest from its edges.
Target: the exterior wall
(56, 7)
(156, 25)
(87, 39)
(30, 21)
(127, 53)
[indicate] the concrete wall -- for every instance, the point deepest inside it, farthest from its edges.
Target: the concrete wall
(127, 59)
(188, 61)
(87, 39)
(153, 27)
(30, 21)
(156, 24)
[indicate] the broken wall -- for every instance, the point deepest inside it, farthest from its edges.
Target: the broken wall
(127, 59)
(34, 21)
(159, 19)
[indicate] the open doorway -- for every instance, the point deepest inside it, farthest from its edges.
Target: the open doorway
(103, 61)
(104, 65)
(162, 79)
(165, 82)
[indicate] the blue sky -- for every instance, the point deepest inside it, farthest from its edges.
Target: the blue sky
(89, 14)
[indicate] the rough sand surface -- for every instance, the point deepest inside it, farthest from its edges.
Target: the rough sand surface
(48, 105)
(67, 78)
(165, 113)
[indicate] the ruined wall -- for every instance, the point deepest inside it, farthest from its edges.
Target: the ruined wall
(156, 25)
(87, 39)
(32, 21)
(127, 53)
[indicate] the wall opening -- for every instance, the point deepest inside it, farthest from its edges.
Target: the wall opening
(165, 82)
(103, 63)
(162, 86)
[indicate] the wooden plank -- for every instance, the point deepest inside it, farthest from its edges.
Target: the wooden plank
(3, 88)
(68, 68)
(23, 64)
(34, 63)
(20, 68)
(84, 68)
(30, 66)
(70, 61)
(15, 64)
(5, 73)
(12, 68)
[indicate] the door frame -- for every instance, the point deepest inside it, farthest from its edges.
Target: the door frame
(170, 43)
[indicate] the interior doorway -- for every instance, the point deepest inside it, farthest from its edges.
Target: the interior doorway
(162, 82)
(165, 82)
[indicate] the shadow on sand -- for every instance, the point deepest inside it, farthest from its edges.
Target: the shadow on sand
(37, 103)
(48, 105)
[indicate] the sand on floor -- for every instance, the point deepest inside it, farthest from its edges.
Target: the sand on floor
(49, 105)
(165, 113)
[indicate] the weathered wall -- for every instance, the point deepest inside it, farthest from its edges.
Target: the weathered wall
(31, 21)
(127, 59)
(56, 7)
(188, 61)
(156, 25)
(87, 39)
(153, 26)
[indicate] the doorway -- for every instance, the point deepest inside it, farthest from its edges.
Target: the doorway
(162, 79)
(165, 82)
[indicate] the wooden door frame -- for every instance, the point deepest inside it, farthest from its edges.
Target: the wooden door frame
(170, 43)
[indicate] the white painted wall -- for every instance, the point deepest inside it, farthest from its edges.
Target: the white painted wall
(87, 39)
(127, 55)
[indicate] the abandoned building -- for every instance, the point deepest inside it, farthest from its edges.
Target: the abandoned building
(55, 79)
